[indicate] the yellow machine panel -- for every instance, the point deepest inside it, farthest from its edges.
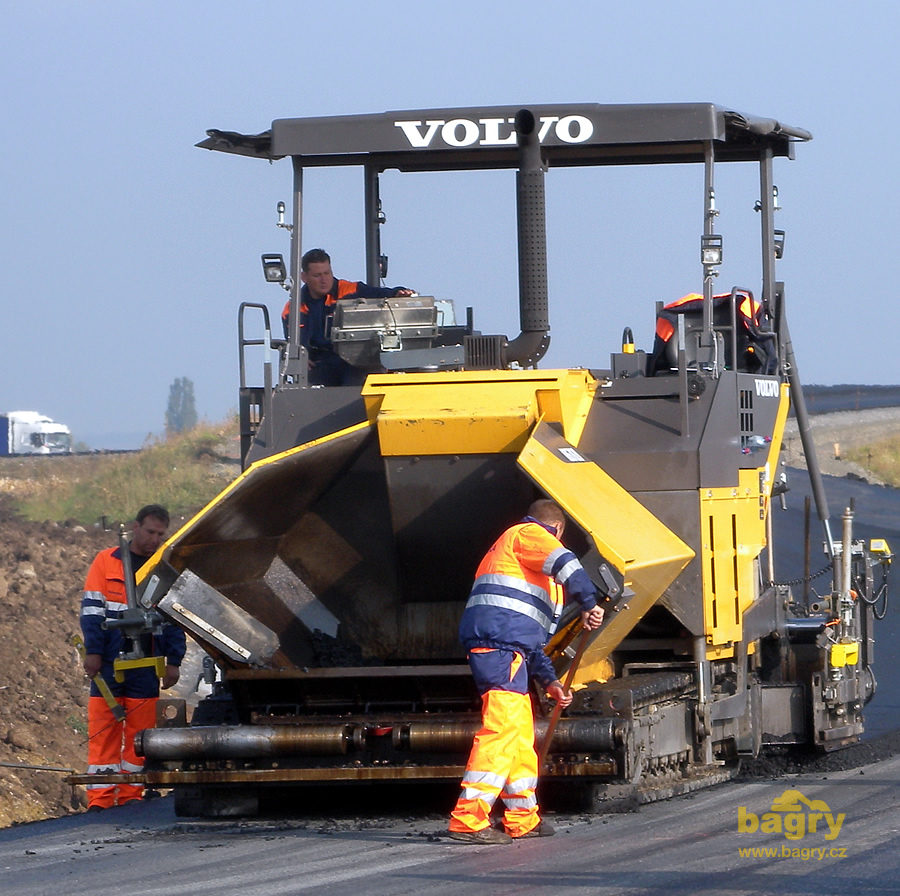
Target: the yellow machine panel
(733, 534)
(647, 554)
(479, 412)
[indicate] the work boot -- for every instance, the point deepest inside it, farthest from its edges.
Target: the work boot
(485, 835)
(542, 829)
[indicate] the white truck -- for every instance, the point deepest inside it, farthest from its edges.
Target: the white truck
(27, 432)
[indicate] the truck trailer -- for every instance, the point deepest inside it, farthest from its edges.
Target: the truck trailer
(327, 581)
(27, 432)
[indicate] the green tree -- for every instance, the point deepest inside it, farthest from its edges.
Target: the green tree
(181, 414)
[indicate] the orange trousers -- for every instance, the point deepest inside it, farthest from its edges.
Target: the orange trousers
(111, 747)
(503, 763)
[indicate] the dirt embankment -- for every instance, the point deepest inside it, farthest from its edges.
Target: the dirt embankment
(43, 692)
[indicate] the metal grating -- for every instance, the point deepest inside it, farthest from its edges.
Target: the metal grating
(485, 352)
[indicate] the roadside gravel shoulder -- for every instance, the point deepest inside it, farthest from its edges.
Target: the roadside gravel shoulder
(833, 434)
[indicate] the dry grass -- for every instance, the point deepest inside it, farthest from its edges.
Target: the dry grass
(881, 457)
(182, 472)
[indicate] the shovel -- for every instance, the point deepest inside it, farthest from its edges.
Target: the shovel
(557, 710)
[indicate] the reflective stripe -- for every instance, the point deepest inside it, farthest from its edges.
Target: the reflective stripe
(529, 802)
(105, 612)
(521, 785)
(502, 750)
(93, 603)
(513, 584)
(93, 611)
(512, 593)
(510, 603)
(570, 565)
(489, 778)
(552, 557)
(486, 796)
(131, 767)
(108, 768)
(562, 576)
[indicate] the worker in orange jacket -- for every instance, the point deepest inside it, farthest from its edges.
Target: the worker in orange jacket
(110, 741)
(319, 295)
(514, 606)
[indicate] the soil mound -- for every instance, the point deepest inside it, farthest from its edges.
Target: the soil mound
(43, 691)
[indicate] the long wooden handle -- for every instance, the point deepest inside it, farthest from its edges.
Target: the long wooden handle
(557, 710)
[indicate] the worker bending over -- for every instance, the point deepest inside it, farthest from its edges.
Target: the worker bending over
(514, 606)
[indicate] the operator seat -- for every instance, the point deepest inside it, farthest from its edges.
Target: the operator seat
(739, 326)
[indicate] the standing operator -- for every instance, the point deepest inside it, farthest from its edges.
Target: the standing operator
(110, 741)
(318, 296)
(513, 607)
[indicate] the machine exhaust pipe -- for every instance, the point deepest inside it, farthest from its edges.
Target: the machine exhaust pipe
(803, 426)
(532, 343)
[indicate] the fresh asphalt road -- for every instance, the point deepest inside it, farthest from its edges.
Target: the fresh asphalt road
(876, 515)
(685, 846)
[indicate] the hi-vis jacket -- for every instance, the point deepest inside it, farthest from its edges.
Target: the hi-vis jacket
(316, 315)
(104, 598)
(517, 599)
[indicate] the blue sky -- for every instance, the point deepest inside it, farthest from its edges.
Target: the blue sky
(125, 251)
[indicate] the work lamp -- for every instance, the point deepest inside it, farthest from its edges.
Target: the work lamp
(779, 243)
(274, 269)
(710, 249)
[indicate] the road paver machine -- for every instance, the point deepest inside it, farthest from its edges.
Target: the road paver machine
(327, 581)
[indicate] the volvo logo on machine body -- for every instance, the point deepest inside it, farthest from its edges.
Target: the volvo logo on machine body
(767, 388)
(457, 132)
